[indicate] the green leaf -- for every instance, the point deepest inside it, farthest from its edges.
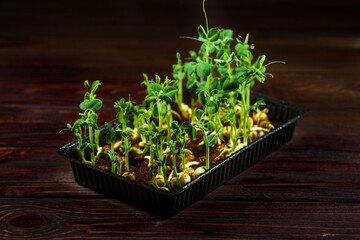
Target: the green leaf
(199, 114)
(170, 91)
(189, 128)
(208, 124)
(198, 125)
(94, 118)
(110, 138)
(260, 102)
(241, 50)
(231, 58)
(230, 85)
(179, 75)
(87, 85)
(158, 136)
(256, 105)
(213, 34)
(215, 84)
(252, 83)
(193, 54)
(192, 133)
(202, 97)
(154, 88)
(181, 143)
(90, 123)
(203, 69)
(77, 124)
(189, 68)
(212, 107)
(108, 127)
(260, 61)
(165, 97)
(87, 96)
(263, 69)
(164, 109)
(175, 127)
(186, 125)
(95, 85)
(261, 79)
(250, 56)
(190, 83)
(155, 111)
(246, 38)
(239, 71)
(169, 143)
(149, 99)
(211, 49)
(202, 32)
(85, 105)
(212, 141)
(95, 104)
(120, 104)
(227, 34)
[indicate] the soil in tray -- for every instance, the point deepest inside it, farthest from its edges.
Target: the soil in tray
(139, 165)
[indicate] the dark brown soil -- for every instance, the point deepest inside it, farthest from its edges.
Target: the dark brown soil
(139, 165)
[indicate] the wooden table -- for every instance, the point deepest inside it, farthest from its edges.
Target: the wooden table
(308, 189)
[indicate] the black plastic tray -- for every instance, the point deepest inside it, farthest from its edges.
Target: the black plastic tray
(168, 203)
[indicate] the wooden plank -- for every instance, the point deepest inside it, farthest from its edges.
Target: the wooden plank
(103, 219)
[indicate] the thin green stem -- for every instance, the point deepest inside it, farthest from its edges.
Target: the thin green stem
(174, 164)
(206, 19)
(165, 175)
(91, 138)
(247, 96)
(97, 141)
(151, 161)
(168, 122)
(158, 102)
(207, 151)
(81, 155)
(113, 166)
(119, 168)
(126, 148)
(126, 156)
(182, 155)
(207, 158)
(244, 124)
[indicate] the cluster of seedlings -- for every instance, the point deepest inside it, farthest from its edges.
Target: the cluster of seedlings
(167, 141)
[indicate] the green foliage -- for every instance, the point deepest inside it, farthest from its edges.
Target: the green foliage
(222, 73)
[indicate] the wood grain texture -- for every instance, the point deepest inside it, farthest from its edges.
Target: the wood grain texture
(308, 189)
(68, 218)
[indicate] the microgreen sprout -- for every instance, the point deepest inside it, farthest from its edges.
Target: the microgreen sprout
(76, 129)
(123, 117)
(88, 121)
(112, 154)
(210, 138)
(180, 133)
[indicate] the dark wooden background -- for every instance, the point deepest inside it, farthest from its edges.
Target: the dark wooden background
(308, 189)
